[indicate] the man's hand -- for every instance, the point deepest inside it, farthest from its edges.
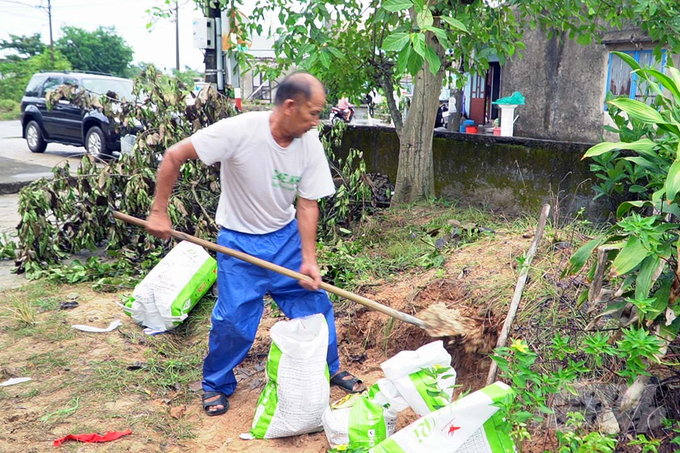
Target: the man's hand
(158, 224)
(311, 269)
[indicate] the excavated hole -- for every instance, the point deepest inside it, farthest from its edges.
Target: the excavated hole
(369, 337)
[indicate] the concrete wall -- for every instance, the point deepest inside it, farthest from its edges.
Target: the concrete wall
(565, 85)
(508, 174)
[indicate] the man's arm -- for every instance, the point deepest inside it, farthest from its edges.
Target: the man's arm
(308, 218)
(158, 221)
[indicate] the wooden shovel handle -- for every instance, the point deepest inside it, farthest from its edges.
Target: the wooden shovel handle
(281, 270)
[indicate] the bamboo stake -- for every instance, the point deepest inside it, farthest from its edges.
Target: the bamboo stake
(523, 274)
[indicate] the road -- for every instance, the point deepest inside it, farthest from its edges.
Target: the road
(17, 166)
(12, 146)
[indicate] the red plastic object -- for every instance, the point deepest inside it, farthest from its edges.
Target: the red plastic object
(93, 438)
(471, 129)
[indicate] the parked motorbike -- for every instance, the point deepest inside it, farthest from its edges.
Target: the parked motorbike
(338, 114)
(442, 114)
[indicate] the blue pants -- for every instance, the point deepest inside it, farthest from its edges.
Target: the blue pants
(239, 306)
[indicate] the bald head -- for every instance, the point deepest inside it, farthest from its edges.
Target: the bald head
(298, 86)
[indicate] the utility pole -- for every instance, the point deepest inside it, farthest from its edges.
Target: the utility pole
(213, 57)
(177, 34)
(49, 14)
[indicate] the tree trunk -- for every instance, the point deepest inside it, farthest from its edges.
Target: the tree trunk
(415, 174)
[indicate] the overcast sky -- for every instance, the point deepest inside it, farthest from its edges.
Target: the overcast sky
(24, 17)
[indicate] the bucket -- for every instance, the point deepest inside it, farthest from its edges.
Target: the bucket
(470, 129)
(465, 124)
(497, 131)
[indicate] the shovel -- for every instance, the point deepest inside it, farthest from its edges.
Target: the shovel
(287, 272)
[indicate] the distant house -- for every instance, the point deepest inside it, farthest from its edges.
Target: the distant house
(481, 91)
(565, 83)
(257, 87)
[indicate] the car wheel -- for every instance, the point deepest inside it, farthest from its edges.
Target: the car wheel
(95, 143)
(34, 138)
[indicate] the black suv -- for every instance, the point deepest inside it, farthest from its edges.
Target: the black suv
(66, 123)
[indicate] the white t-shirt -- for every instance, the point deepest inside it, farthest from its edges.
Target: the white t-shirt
(259, 178)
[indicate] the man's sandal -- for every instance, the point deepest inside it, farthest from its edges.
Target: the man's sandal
(221, 401)
(347, 382)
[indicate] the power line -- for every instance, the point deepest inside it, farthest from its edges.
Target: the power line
(13, 12)
(20, 3)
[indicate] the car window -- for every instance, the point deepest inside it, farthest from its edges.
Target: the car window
(122, 87)
(33, 88)
(51, 84)
(71, 81)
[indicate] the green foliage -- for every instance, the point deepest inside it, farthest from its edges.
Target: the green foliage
(15, 74)
(536, 378)
(8, 248)
(9, 109)
(24, 46)
(641, 248)
(644, 239)
(572, 441)
(101, 50)
(354, 196)
(431, 378)
(71, 212)
(646, 445)
(389, 40)
(393, 39)
(187, 76)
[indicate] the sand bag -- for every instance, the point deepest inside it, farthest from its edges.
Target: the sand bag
(363, 421)
(469, 425)
(424, 377)
(297, 390)
(163, 299)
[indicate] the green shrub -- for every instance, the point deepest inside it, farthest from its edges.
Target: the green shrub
(9, 109)
(8, 105)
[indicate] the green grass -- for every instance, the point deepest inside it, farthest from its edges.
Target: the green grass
(47, 304)
(49, 361)
(403, 239)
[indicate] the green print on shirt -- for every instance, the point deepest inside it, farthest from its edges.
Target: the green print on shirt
(285, 181)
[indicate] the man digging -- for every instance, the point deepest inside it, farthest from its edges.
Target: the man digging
(267, 159)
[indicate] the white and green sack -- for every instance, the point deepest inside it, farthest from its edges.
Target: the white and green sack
(163, 299)
(424, 377)
(297, 390)
(363, 421)
(469, 425)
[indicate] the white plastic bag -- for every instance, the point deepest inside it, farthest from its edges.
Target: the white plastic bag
(165, 296)
(297, 390)
(469, 425)
(363, 421)
(424, 377)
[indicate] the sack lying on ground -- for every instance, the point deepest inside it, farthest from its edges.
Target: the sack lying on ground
(469, 425)
(163, 299)
(424, 377)
(297, 390)
(363, 421)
